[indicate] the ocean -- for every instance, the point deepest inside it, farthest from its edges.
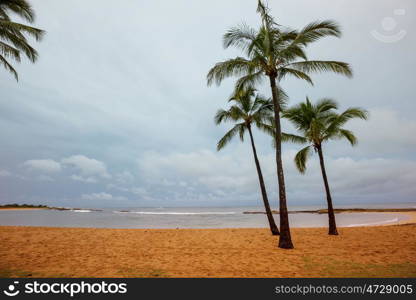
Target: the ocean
(192, 217)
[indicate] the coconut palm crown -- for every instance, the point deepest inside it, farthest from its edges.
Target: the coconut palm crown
(319, 123)
(274, 53)
(249, 108)
(13, 36)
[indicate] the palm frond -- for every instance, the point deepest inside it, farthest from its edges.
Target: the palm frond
(13, 36)
(264, 12)
(8, 67)
(238, 128)
(261, 104)
(291, 53)
(284, 71)
(233, 67)
(267, 126)
(249, 80)
(241, 130)
(318, 66)
(20, 7)
(293, 138)
(9, 51)
(241, 36)
(325, 104)
(21, 45)
(17, 28)
(349, 135)
(336, 121)
(222, 116)
(296, 116)
(355, 112)
(316, 30)
(301, 158)
(282, 98)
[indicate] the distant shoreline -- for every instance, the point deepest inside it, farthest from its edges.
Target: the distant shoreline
(16, 206)
(339, 210)
(21, 208)
(39, 207)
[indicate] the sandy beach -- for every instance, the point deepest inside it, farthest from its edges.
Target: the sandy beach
(382, 251)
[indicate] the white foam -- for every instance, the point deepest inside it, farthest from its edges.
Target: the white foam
(81, 210)
(377, 223)
(175, 213)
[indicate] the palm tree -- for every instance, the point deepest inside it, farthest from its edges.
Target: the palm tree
(248, 108)
(13, 39)
(319, 123)
(275, 53)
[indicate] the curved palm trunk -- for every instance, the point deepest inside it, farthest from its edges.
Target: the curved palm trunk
(331, 214)
(272, 224)
(285, 240)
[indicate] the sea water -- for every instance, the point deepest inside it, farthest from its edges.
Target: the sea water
(192, 217)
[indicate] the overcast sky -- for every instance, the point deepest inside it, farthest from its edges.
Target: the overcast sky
(116, 112)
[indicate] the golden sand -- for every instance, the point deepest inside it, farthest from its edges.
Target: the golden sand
(383, 251)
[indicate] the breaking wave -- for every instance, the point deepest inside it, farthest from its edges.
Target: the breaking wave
(376, 223)
(175, 213)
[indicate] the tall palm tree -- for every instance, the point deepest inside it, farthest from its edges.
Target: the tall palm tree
(13, 40)
(317, 124)
(275, 53)
(248, 109)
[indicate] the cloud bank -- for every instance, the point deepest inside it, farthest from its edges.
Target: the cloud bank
(116, 111)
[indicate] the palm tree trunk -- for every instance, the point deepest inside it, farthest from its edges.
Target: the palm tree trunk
(272, 224)
(285, 240)
(331, 215)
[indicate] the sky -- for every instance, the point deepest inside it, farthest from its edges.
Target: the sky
(116, 112)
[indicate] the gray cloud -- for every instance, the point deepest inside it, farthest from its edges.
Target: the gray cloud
(387, 132)
(118, 105)
(43, 165)
(225, 177)
(5, 173)
(101, 196)
(87, 166)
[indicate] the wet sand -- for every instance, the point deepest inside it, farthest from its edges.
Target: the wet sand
(411, 217)
(380, 251)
